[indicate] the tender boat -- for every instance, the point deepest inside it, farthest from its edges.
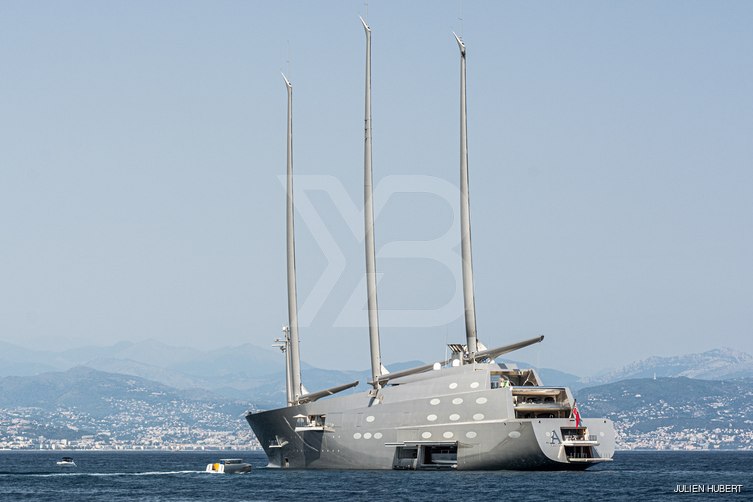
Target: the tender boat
(229, 466)
(66, 462)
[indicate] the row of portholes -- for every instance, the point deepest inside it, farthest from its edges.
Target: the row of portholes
(454, 417)
(428, 435)
(367, 435)
(448, 435)
(457, 400)
(474, 385)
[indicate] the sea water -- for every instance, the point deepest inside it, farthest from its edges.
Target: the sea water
(179, 476)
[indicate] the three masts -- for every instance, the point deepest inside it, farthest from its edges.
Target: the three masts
(467, 412)
(380, 374)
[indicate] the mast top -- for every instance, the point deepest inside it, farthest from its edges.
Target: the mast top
(460, 42)
(365, 26)
(287, 82)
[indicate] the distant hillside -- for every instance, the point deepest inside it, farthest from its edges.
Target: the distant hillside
(237, 368)
(680, 410)
(116, 409)
(250, 372)
(92, 408)
(246, 359)
(93, 392)
(241, 372)
(717, 364)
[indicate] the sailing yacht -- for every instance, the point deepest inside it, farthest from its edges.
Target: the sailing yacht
(467, 412)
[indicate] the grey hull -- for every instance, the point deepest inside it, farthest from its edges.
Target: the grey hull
(457, 407)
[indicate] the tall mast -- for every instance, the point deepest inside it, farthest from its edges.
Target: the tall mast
(368, 205)
(294, 357)
(465, 217)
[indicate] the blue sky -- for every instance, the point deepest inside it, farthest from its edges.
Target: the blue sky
(610, 159)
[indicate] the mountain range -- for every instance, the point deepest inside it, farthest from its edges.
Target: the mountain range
(91, 390)
(717, 364)
(675, 412)
(250, 372)
(231, 372)
(86, 408)
(678, 402)
(115, 410)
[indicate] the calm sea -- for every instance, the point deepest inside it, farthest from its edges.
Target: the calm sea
(158, 476)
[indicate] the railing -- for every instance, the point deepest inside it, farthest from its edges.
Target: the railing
(582, 437)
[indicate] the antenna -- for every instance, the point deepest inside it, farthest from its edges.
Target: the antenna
(288, 70)
(460, 18)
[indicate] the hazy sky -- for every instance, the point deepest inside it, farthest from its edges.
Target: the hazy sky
(611, 147)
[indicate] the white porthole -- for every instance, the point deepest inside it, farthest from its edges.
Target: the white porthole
(377, 435)
(475, 385)
(431, 417)
(457, 400)
(453, 385)
(454, 417)
(357, 435)
(548, 434)
(514, 434)
(447, 435)
(370, 418)
(434, 402)
(602, 434)
(481, 400)
(478, 416)
(470, 434)
(367, 435)
(426, 435)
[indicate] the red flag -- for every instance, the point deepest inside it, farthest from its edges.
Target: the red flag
(576, 413)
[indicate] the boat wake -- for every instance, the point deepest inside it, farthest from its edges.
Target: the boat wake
(96, 474)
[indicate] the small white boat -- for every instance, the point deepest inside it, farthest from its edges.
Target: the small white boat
(229, 466)
(66, 462)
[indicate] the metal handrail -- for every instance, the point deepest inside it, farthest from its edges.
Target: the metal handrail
(583, 437)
